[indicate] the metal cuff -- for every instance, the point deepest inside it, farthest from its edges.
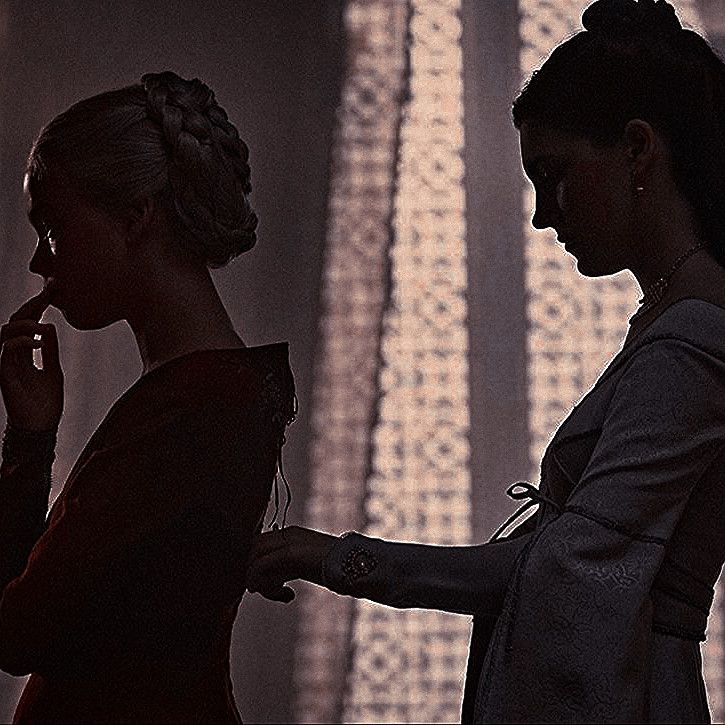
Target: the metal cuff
(348, 561)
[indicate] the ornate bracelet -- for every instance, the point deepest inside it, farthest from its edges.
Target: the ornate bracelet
(358, 563)
(28, 446)
(341, 570)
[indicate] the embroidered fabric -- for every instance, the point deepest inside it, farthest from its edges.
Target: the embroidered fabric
(347, 561)
(358, 563)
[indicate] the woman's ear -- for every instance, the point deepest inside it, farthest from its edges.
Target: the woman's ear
(138, 221)
(642, 148)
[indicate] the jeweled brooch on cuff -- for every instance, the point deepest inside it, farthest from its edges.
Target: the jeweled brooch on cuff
(358, 563)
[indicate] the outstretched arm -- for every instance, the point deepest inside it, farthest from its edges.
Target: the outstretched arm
(461, 579)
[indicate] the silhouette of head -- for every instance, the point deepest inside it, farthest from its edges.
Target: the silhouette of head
(161, 157)
(634, 60)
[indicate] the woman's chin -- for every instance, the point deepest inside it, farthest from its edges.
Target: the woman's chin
(588, 268)
(80, 321)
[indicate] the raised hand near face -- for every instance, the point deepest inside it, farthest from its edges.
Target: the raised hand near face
(33, 398)
(283, 555)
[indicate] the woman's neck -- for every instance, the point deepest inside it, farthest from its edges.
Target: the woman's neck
(700, 277)
(181, 315)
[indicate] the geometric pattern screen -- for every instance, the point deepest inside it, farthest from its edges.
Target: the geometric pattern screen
(409, 665)
(390, 413)
(355, 288)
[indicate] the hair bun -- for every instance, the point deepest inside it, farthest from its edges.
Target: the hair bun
(178, 104)
(646, 17)
(209, 172)
(196, 94)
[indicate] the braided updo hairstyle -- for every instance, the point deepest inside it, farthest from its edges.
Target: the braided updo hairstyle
(635, 60)
(168, 139)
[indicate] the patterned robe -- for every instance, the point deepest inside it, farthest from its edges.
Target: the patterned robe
(593, 609)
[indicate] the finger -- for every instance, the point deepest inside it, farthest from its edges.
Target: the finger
(17, 355)
(51, 356)
(276, 591)
(284, 594)
(267, 543)
(21, 327)
(17, 343)
(267, 573)
(33, 309)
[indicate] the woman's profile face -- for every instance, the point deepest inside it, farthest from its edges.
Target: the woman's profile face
(583, 193)
(80, 249)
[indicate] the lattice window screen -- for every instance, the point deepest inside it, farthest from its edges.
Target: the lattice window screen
(408, 666)
(353, 295)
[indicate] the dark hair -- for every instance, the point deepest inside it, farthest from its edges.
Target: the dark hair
(635, 60)
(166, 138)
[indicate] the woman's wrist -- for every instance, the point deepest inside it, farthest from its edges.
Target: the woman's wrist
(348, 561)
(28, 446)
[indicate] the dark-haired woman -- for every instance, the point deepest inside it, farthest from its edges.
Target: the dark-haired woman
(593, 609)
(121, 604)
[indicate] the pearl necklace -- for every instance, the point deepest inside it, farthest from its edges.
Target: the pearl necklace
(656, 291)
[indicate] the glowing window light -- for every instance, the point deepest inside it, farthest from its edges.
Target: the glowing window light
(408, 665)
(353, 294)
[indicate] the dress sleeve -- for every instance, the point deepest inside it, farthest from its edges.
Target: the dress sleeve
(25, 481)
(122, 496)
(459, 579)
(572, 644)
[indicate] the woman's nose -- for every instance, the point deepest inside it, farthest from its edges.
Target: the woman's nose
(545, 214)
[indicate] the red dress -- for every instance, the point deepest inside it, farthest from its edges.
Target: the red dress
(121, 605)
